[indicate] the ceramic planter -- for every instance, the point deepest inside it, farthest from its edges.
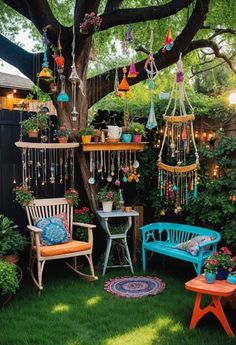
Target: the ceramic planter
(62, 140)
(86, 139)
(222, 273)
(137, 138)
(126, 137)
(33, 134)
(231, 279)
(210, 277)
(107, 206)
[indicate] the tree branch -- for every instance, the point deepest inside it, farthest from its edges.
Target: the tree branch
(213, 45)
(39, 12)
(112, 5)
(181, 44)
(134, 15)
(19, 57)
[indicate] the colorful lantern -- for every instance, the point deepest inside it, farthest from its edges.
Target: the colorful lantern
(132, 70)
(63, 96)
(124, 86)
(168, 43)
(45, 73)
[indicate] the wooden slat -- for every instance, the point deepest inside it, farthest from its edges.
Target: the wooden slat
(24, 144)
(179, 118)
(178, 169)
(113, 146)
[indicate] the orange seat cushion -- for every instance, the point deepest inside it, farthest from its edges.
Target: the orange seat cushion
(65, 248)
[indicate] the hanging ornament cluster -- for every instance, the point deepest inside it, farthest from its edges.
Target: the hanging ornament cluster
(168, 43)
(152, 72)
(45, 73)
(177, 177)
(113, 166)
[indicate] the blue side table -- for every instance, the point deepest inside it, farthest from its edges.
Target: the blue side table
(104, 220)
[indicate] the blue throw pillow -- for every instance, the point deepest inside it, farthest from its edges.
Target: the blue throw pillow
(53, 231)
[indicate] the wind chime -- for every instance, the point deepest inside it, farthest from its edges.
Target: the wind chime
(45, 73)
(62, 97)
(74, 79)
(177, 178)
(113, 166)
(152, 72)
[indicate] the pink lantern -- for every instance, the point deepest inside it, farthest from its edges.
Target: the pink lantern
(132, 70)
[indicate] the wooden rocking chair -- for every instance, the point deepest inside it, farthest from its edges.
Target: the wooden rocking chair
(43, 208)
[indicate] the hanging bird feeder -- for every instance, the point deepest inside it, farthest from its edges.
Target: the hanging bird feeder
(177, 178)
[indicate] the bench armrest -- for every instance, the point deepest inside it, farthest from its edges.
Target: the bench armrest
(34, 229)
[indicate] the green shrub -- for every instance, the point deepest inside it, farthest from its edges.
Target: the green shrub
(8, 278)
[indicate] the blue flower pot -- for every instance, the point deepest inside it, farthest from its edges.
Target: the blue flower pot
(231, 279)
(126, 137)
(222, 273)
(210, 277)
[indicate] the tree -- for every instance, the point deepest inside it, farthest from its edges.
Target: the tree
(114, 13)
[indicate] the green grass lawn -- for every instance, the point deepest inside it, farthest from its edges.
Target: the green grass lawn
(73, 312)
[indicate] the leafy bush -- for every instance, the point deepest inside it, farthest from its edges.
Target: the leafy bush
(8, 278)
(11, 241)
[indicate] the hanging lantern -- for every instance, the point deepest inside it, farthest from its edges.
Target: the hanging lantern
(63, 96)
(59, 60)
(124, 86)
(232, 97)
(132, 70)
(168, 43)
(45, 73)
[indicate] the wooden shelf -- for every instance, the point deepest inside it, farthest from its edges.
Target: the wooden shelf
(113, 146)
(24, 144)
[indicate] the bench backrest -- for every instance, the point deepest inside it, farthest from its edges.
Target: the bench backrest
(176, 233)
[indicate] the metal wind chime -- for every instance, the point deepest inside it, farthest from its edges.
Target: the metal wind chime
(177, 177)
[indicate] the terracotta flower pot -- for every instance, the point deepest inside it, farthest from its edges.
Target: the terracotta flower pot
(62, 140)
(12, 258)
(33, 134)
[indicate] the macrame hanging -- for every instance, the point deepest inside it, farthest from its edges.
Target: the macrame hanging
(152, 72)
(177, 177)
(124, 87)
(45, 73)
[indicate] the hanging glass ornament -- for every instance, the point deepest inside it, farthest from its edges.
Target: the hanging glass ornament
(45, 73)
(178, 135)
(132, 70)
(63, 96)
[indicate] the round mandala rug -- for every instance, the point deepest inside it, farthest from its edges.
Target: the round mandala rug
(134, 287)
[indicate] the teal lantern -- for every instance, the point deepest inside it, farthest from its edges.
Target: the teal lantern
(63, 96)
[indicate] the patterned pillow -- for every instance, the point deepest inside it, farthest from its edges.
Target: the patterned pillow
(53, 230)
(63, 217)
(190, 246)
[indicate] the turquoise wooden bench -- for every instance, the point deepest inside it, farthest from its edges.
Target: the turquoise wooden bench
(163, 237)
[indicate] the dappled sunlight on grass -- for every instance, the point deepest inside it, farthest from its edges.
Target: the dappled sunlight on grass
(93, 301)
(145, 335)
(60, 308)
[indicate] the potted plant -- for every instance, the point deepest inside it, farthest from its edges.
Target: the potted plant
(23, 195)
(32, 125)
(11, 241)
(72, 196)
(223, 261)
(210, 270)
(86, 134)
(126, 135)
(62, 134)
(138, 131)
(8, 281)
(107, 198)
